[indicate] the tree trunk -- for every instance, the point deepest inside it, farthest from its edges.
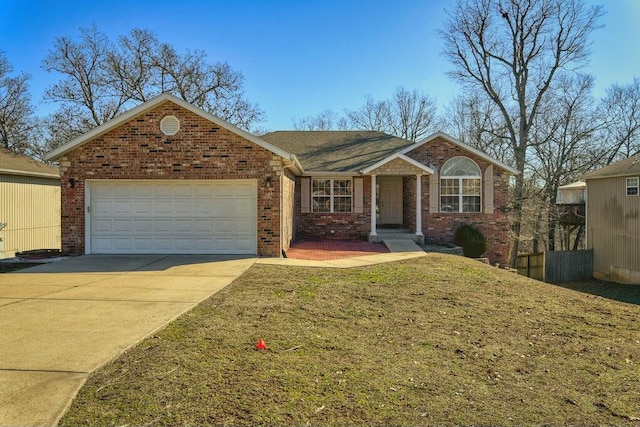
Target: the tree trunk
(551, 231)
(518, 196)
(576, 243)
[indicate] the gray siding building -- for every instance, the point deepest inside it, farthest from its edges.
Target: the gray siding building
(613, 220)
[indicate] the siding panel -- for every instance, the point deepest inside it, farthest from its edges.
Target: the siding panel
(30, 207)
(613, 228)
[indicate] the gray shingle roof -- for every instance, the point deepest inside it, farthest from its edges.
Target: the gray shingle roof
(336, 151)
(17, 164)
(626, 167)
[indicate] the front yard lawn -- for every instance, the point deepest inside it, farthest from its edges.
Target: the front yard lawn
(440, 340)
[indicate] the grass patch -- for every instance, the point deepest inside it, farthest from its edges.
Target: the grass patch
(441, 340)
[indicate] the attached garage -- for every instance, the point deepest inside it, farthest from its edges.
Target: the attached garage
(169, 178)
(171, 216)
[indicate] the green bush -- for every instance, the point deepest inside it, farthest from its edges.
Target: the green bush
(471, 240)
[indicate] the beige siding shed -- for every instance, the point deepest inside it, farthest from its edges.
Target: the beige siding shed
(29, 205)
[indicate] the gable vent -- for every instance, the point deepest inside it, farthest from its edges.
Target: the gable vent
(170, 125)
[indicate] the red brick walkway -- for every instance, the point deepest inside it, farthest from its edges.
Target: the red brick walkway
(326, 250)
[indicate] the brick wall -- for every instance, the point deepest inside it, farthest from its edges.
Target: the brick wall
(345, 226)
(138, 149)
(439, 228)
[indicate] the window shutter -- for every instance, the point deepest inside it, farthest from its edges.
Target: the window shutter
(434, 186)
(305, 195)
(488, 190)
(358, 203)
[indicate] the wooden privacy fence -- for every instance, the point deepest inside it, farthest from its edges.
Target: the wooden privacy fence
(557, 266)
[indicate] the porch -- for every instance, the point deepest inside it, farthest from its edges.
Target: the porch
(397, 189)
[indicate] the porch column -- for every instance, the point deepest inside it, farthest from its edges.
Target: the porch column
(373, 206)
(419, 207)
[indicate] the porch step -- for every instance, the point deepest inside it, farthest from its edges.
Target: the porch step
(393, 234)
(401, 245)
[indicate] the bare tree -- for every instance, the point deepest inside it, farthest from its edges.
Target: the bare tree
(327, 120)
(512, 50)
(476, 121)
(411, 114)
(408, 115)
(373, 115)
(564, 131)
(101, 79)
(16, 111)
(621, 105)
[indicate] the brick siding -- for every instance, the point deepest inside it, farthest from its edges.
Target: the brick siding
(201, 149)
(439, 228)
(336, 226)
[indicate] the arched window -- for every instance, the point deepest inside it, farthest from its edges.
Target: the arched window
(460, 187)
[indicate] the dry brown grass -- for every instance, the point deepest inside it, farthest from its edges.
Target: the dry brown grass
(441, 340)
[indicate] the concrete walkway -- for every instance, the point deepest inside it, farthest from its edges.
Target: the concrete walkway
(59, 322)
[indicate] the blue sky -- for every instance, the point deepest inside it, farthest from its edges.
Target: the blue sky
(298, 57)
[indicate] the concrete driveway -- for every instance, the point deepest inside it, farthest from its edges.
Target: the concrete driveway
(59, 322)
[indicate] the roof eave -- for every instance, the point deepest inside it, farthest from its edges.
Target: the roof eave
(152, 103)
(30, 173)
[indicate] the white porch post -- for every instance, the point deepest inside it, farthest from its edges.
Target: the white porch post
(373, 206)
(419, 207)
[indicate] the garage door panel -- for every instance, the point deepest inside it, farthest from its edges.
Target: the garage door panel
(203, 191)
(123, 244)
(103, 226)
(143, 191)
(162, 207)
(163, 226)
(143, 244)
(142, 226)
(122, 226)
(183, 207)
(142, 206)
(244, 244)
(203, 226)
(103, 207)
(245, 190)
(184, 226)
(122, 206)
(217, 216)
(162, 190)
(122, 191)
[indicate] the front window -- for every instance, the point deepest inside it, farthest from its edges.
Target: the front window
(632, 186)
(460, 186)
(331, 195)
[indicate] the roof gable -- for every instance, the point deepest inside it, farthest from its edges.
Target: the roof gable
(149, 105)
(464, 146)
(397, 156)
(17, 164)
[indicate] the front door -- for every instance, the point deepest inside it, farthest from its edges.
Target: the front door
(389, 200)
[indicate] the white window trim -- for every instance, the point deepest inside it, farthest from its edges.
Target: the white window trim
(636, 186)
(331, 195)
(459, 178)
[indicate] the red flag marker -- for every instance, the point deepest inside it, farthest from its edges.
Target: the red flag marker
(261, 345)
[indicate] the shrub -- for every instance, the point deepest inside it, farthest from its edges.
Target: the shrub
(471, 240)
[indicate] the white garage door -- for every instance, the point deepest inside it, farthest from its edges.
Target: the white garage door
(173, 217)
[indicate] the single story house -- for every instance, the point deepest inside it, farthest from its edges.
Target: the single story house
(167, 177)
(29, 204)
(613, 220)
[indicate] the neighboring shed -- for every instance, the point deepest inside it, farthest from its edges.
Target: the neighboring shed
(613, 220)
(29, 204)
